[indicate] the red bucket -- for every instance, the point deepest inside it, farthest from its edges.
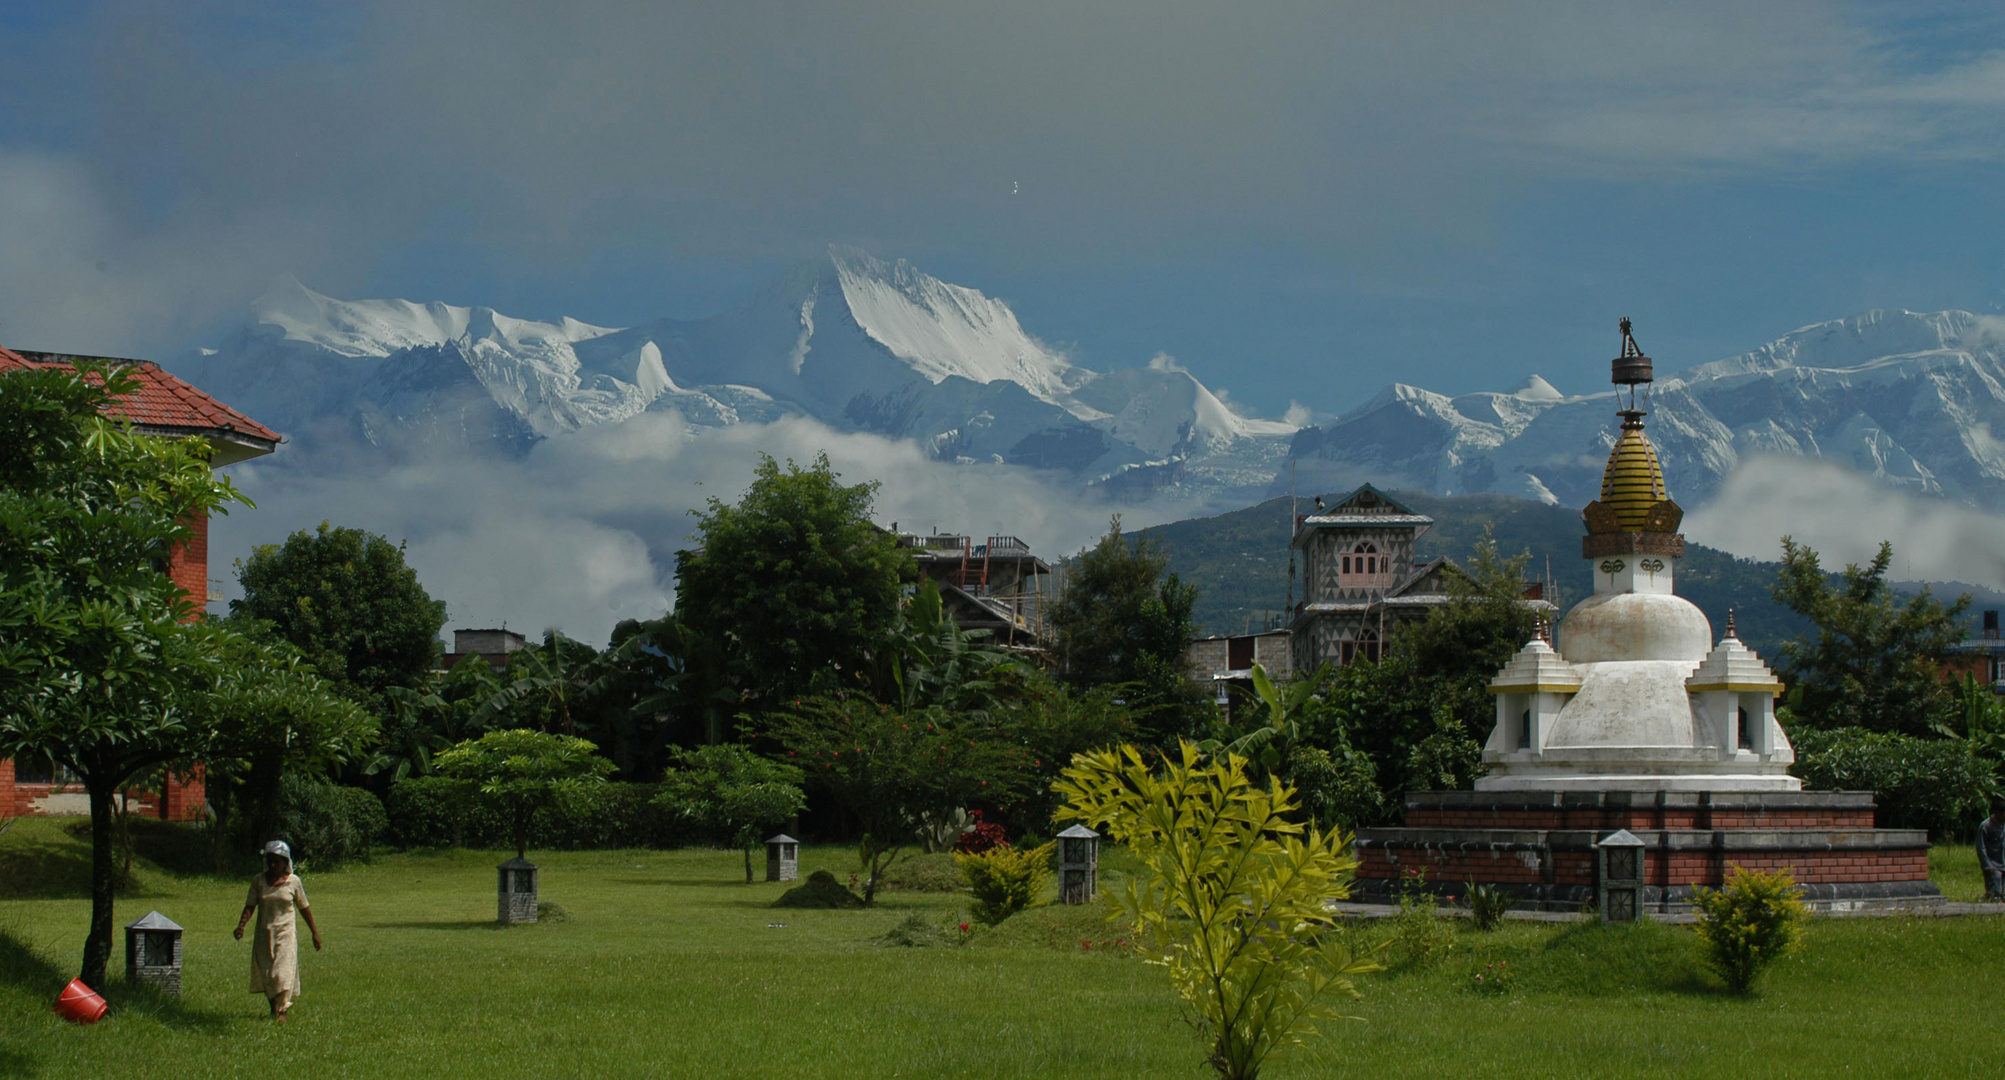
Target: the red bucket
(80, 1004)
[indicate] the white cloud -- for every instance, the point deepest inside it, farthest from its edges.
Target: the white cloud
(1844, 515)
(582, 532)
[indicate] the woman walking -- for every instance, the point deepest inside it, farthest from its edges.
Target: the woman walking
(275, 895)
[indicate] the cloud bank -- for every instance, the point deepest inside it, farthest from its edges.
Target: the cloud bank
(1844, 515)
(583, 531)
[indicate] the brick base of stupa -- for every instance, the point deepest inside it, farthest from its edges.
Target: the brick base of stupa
(1539, 846)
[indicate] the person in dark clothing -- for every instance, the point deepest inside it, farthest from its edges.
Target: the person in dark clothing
(1991, 851)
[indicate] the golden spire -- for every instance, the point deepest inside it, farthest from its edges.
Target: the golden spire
(1633, 482)
(1633, 496)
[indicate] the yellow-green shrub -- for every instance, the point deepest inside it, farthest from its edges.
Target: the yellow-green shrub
(1005, 880)
(1754, 919)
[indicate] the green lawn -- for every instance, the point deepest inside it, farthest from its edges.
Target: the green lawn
(666, 967)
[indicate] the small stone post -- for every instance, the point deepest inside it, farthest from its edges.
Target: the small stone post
(515, 892)
(1078, 865)
(783, 858)
(1620, 859)
(153, 952)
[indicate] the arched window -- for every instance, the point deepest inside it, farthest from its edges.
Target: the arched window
(1368, 645)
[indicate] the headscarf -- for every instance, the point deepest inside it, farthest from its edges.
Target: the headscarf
(279, 848)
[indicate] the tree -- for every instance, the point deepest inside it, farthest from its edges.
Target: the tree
(1120, 621)
(1234, 902)
(731, 791)
(524, 771)
(445, 709)
(99, 660)
(794, 580)
(349, 603)
(929, 660)
(1874, 663)
(269, 715)
(894, 771)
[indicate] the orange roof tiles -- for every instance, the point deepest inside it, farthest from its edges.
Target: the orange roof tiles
(162, 401)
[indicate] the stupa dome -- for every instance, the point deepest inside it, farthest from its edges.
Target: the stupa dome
(1613, 626)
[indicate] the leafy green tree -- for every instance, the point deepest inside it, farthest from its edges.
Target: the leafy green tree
(794, 580)
(1121, 621)
(270, 716)
(541, 685)
(893, 771)
(349, 603)
(99, 661)
(730, 791)
(523, 771)
(1234, 900)
(1874, 662)
(444, 709)
(932, 661)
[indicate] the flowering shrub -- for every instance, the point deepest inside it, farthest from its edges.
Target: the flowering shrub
(981, 836)
(1005, 880)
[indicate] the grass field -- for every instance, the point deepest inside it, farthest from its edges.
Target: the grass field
(668, 965)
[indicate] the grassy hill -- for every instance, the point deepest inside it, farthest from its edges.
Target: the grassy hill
(1239, 562)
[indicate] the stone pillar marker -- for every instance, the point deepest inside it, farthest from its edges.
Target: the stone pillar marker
(783, 858)
(1078, 865)
(515, 892)
(153, 952)
(1619, 857)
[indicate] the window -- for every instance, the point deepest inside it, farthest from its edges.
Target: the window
(1744, 737)
(1525, 731)
(1365, 567)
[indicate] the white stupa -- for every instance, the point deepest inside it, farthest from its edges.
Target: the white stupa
(1636, 697)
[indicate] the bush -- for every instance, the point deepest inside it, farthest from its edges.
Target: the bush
(924, 873)
(1005, 880)
(981, 836)
(328, 824)
(1487, 904)
(820, 890)
(1755, 919)
(436, 811)
(1918, 783)
(1419, 937)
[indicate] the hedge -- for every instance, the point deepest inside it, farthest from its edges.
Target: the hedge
(1917, 783)
(433, 811)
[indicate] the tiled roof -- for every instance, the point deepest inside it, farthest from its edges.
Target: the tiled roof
(162, 401)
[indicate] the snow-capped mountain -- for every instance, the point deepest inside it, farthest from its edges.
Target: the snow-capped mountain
(1911, 399)
(848, 339)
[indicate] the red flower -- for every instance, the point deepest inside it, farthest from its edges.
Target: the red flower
(1087, 945)
(964, 926)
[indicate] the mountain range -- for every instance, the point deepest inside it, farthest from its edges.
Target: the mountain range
(850, 340)
(1912, 400)
(863, 344)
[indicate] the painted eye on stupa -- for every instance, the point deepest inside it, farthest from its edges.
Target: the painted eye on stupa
(1613, 566)
(1652, 565)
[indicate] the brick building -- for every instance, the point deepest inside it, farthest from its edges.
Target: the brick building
(167, 407)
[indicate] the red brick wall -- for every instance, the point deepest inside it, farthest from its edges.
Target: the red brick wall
(1638, 817)
(1450, 869)
(7, 790)
(183, 798)
(188, 565)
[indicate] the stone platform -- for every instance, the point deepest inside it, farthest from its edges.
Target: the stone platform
(1540, 846)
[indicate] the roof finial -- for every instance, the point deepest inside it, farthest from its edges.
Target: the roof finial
(1730, 630)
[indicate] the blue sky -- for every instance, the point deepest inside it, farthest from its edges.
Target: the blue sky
(1298, 202)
